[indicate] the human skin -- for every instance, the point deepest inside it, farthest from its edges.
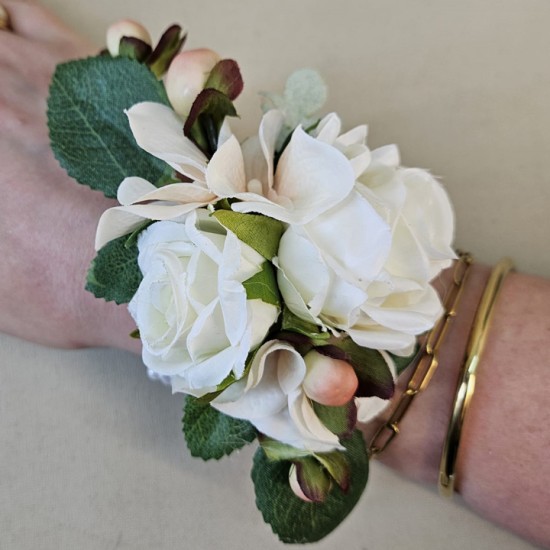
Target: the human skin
(47, 227)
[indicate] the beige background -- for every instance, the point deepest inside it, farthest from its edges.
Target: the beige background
(91, 455)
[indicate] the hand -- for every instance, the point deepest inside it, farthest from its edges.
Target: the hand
(47, 220)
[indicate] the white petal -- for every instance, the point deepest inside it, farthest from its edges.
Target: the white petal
(302, 265)
(132, 189)
(412, 313)
(353, 239)
(225, 173)
(370, 407)
(270, 128)
(261, 316)
(328, 128)
(312, 176)
(379, 337)
(158, 130)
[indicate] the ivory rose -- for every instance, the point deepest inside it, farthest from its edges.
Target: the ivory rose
(195, 321)
(365, 266)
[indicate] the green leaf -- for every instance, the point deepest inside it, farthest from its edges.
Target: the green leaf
(296, 521)
(226, 78)
(114, 273)
(262, 233)
(375, 378)
(263, 286)
(89, 132)
(275, 450)
(293, 323)
(401, 363)
(339, 420)
(336, 464)
(211, 434)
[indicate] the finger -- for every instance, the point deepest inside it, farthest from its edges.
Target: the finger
(35, 22)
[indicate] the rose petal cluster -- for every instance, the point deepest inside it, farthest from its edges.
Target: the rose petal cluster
(191, 308)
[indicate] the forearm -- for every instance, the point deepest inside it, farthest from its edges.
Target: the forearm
(502, 468)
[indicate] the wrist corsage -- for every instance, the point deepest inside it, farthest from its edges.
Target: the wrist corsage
(280, 282)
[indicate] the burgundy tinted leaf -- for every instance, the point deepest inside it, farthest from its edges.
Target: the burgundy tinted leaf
(168, 47)
(375, 377)
(134, 48)
(312, 478)
(338, 467)
(206, 118)
(226, 78)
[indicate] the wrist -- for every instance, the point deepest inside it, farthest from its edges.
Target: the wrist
(416, 452)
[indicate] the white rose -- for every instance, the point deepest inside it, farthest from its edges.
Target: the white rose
(419, 212)
(327, 265)
(273, 399)
(191, 308)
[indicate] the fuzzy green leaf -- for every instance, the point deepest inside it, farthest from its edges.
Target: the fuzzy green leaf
(262, 233)
(89, 132)
(114, 273)
(263, 286)
(211, 434)
(293, 323)
(339, 420)
(275, 450)
(401, 363)
(296, 521)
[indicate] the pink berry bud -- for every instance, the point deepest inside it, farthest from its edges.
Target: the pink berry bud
(125, 27)
(329, 381)
(187, 76)
(295, 485)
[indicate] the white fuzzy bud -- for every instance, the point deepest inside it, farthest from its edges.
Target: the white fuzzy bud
(187, 76)
(125, 27)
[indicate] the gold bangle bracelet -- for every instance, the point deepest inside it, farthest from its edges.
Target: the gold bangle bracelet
(466, 383)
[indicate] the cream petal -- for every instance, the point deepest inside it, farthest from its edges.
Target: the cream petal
(122, 220)
(328, 128)
(159, 130)
(363, 243)
(225, 174)
(369, 408)
(270, 128)
(180, 193)
(357, 135)
(132, 189)
(317, 437)
(410, 313)
(303, 266)
(261, 316)
(379, 337)
(312, 176)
